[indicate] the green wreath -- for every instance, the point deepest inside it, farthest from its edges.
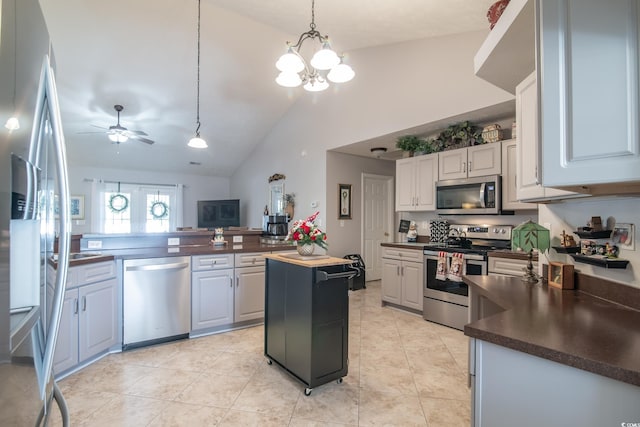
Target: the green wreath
(118, 203)
(159, 209)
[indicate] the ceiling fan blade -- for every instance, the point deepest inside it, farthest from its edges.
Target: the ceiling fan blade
(142, 139)
(137, 132)
(87, 133)
(99, 127)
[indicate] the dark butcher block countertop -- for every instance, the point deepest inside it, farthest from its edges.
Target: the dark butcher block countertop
(571, 327)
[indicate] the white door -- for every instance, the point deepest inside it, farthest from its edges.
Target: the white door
(377, 217)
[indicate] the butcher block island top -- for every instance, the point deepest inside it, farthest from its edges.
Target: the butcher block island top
(309, 261)
(570, 327)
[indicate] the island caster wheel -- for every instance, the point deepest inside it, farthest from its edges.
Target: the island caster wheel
(307, 391)
(269, 362)
(339, 381)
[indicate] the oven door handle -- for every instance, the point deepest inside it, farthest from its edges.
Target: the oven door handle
(483, 195)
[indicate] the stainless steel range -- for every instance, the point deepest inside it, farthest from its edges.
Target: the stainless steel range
(446, 300)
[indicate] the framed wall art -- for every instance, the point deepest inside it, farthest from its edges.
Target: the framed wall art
(623, 236)
(77, 207)
(344, 201)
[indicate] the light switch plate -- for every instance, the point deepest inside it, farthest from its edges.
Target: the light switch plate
(237, 239)
(173, 241)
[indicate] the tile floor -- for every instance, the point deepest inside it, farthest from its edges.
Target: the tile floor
(403, 371)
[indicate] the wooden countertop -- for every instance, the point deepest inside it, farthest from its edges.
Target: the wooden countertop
(570, 327)
(405, 245)
(309, 261)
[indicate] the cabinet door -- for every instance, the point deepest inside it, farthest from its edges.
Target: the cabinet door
(484, 160)
(510, 178)
(249, 294)
(426, 177)
(391, 286)
(66, 354)
(405, 184)
(452, 164)
(211, 298)
(412, 278)
(98, 321)
(590, 109)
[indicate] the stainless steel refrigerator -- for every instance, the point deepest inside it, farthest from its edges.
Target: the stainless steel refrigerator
(34, 208)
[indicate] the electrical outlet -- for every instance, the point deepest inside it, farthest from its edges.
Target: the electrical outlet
(173, 241)
(314, 204)
(237, 239)
(94, 244)
(341, 223)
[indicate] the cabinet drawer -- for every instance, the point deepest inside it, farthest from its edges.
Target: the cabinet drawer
(512, 267)
(211, 262)
(91, 273)
(252, 259)
(404, 254)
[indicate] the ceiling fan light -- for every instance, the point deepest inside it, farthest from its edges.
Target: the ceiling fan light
(290, 62)
(12, 123)
(289, 79)
(197, 142)
(341, 73)
(325, 58)
(118, 137)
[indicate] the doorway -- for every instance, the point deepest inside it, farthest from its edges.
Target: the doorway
(377, 221)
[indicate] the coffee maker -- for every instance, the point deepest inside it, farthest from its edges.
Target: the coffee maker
(275, 227)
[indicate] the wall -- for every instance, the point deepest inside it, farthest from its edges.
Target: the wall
(196, 188)
(396, 87)
(570, 215)
(348, 169)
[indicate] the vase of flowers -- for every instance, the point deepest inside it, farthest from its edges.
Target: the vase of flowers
(307, 235)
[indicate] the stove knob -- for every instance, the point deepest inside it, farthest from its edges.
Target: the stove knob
(495, 231)
(503, 231)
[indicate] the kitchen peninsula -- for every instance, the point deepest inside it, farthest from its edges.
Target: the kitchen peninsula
(572, 352)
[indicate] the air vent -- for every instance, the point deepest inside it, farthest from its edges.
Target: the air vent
(195, 163)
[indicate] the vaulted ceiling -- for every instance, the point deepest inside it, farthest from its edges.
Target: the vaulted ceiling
(142, 54)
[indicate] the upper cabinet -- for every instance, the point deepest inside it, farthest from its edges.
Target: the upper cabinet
(584, 54)
(589, 88)
(479, 160)
(415, 183)
(510, 200)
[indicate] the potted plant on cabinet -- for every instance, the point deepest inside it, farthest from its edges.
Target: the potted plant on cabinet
(408, 143)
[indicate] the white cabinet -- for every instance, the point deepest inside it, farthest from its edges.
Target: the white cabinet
(510, 178)
(89, 322)
(211, 291)
(402, 277)
(249, 292)
(509, 266)
(528, 166)
(590, 96)
(415, 183)
(479, 160)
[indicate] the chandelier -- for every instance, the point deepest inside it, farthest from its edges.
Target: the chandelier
(294, 70)
(196, 141)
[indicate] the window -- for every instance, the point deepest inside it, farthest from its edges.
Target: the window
(131, 208)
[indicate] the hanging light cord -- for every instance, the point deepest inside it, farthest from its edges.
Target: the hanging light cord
(198, 79)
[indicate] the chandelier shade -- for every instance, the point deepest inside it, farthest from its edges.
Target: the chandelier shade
(12, 123)
(324, 66)
(196, 141)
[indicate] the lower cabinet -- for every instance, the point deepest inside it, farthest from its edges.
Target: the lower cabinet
(89, 324)
(211, 298)
(402, 277)
(249, 294)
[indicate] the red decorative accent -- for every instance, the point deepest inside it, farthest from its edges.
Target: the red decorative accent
(495, 11)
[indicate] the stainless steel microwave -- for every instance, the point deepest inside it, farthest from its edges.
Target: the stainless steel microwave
(470, 196)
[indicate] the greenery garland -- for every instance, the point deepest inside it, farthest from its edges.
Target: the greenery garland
(118, 203)
(161, 206)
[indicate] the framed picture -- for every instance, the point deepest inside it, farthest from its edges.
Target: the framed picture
(77, 207)
(560, 275)
(623, 236)
(344, 201)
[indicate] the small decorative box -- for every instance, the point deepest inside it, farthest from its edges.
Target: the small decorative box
(492, 133)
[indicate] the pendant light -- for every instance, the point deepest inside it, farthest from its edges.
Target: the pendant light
(12, 122)
(196, 141)
(314, 77)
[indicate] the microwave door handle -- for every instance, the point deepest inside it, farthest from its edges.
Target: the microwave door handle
(483, 195)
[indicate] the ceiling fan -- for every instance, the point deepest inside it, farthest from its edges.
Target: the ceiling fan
(118, 133)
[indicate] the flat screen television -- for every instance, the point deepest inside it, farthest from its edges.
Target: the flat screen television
(218, 213)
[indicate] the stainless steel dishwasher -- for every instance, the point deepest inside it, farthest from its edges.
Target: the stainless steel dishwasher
(156, 300)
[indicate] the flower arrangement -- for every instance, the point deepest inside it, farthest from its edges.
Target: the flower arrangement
(305, 232)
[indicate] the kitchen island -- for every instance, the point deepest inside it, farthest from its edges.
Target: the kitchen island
(545, 356)
(306, 322)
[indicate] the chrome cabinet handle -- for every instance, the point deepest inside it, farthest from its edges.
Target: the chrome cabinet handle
(469, 165)
(230, 282)
(464, 167)
(84, 303)
(75, 306)
(397, 270)
(237, 281)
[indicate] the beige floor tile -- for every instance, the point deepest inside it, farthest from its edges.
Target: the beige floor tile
(236, 364)
(84, 403)
(194, 360)
(165, 384)
(175, 414)
(124, 411)
(394, 357)
(330, 403)
(114, 378)
(213, 390)
(442, 383)
(235, 418)
(268, 397)
(447, 412)
(396, 380)
(389, 409)
(297, 422)
(147, 356)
